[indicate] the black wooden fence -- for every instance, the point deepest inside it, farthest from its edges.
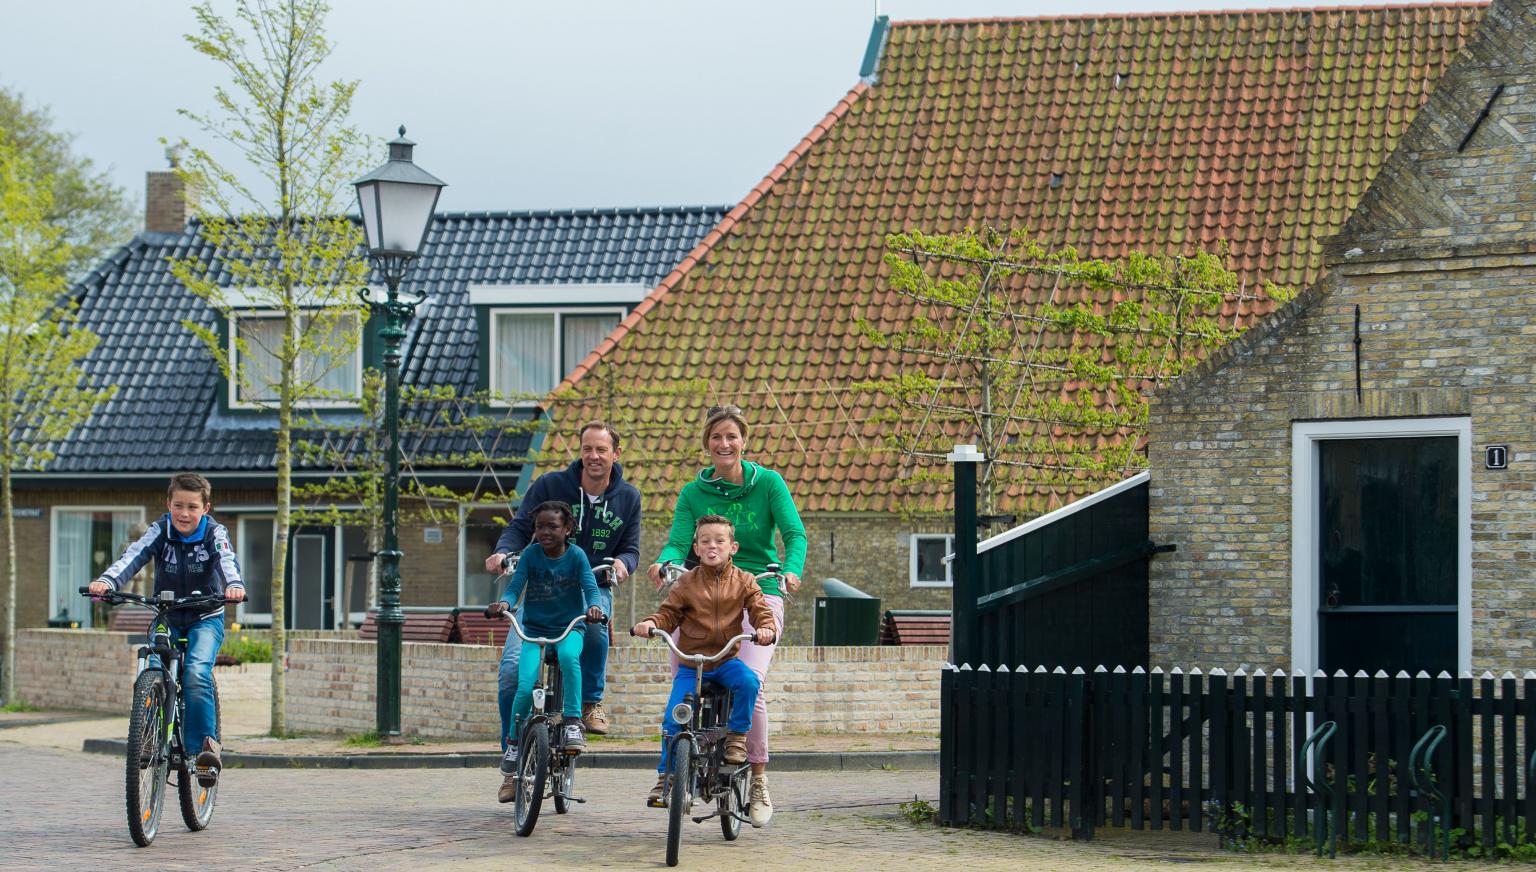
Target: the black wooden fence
(1035, 749)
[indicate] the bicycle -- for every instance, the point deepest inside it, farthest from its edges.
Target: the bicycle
(697, 770)
(156, 725)
(544, 763)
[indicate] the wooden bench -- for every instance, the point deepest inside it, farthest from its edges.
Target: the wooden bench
(914, 627)
(422, 624)
(130, 619)
(476, 629)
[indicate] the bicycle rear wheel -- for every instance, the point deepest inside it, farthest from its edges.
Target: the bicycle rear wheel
(148, 761)
(679, 804)
(565, 784)
(731, 804)
(532, 772)
(197, 800)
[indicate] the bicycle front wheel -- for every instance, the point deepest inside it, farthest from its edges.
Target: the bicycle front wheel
(681, 799)
(148, 760)
(532, 772)
(197, 800)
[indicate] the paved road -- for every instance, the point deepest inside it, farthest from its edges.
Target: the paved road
(64, 810)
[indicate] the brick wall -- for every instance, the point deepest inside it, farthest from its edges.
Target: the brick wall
(1440, 337)
(449, 691)
(93, 671)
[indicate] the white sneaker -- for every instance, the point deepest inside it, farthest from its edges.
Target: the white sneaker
(759, 805)
(509, 760)
(575, 739)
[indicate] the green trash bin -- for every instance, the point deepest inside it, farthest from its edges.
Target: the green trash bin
(845, 616)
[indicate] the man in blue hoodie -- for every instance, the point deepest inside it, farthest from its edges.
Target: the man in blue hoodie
(607, 510)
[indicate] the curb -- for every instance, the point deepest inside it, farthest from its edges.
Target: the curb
(796, 761)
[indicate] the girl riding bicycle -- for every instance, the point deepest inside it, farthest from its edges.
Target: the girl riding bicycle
(556, 584)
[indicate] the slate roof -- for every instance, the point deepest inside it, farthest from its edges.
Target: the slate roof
(1166, 132)
(165, 415)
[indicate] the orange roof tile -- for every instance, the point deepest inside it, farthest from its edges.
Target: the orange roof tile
(1257, 129)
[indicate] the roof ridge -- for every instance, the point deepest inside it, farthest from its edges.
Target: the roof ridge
(582, 212)
(1191, 13)
(699, 251)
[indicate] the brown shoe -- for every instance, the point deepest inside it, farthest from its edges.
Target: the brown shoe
(208, 763)
(657, 798)
(735, 748)
(595, 718)
(508, 791)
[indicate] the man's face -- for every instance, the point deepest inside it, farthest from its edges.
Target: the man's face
(715, 544)
(597, 454)
(187, 510)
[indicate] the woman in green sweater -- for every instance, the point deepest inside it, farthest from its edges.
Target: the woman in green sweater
(757, 501)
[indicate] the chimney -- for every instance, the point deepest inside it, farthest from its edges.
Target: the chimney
(166, 204)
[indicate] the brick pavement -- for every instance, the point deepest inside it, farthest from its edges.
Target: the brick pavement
(64, 810)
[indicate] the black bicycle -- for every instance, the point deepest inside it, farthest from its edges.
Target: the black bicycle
(156, 724)
(544, 764)
(697, 771)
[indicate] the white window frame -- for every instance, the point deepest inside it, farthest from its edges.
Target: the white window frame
(308, 403)
(464, 510)
(66, 586)
(241, 613)
(559, 313)
(949, 565)
(1306, 519)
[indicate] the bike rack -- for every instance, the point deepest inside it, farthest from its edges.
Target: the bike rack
(1322, 814)
(1419, 762)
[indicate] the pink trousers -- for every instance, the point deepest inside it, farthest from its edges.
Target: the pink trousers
(757, 658)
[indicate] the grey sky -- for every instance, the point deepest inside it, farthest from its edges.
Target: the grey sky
(516, 104)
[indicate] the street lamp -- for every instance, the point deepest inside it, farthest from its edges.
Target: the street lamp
(397, 201)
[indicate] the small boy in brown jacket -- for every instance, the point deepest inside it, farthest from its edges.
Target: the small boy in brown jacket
(705, 607)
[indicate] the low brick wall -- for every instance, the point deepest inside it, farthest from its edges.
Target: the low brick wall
(449, 691)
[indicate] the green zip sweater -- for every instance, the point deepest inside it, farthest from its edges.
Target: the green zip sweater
(757, 506)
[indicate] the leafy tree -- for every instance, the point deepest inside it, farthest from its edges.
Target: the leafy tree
(44, 391)
(1042, 357)
(91, 213)
(283, 243)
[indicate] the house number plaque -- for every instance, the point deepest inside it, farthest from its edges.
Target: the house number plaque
(1496, 457)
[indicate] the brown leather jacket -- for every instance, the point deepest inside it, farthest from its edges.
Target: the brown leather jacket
(707, 605)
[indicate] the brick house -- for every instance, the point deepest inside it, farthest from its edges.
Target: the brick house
(1257, 129)
(514, 300)
(1352, 485)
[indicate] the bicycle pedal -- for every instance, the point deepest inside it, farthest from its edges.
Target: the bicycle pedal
(207, 776)
(656, 803)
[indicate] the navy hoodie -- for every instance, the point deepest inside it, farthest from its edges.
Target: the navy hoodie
(606, 527)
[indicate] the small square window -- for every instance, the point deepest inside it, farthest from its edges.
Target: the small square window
(928, 565)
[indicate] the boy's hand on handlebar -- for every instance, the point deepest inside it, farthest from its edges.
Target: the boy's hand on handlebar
(595, 615)
(98, 587)
(234, 594)
(497, 609)
(643, 629)
(765, 637)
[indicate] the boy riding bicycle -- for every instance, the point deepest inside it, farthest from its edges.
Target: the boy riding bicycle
(192, 555)
(705, 606)
(556, 584)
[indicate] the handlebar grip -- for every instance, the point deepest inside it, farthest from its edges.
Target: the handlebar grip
(85, 589)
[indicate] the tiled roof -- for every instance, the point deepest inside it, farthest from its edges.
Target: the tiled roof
(165, 415)
(1164, 133)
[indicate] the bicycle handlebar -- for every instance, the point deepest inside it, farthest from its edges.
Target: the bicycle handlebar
(157, 603)
(698, 659)
(539, 640)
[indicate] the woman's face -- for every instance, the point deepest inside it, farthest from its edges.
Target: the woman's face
(725, 443)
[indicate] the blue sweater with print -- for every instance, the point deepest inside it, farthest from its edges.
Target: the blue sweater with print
(554, 590)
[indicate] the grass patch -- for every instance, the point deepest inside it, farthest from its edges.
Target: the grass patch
(19, 706)
(369, 739)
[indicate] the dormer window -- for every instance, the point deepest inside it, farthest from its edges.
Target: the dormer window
(334, 369)
(536, 334)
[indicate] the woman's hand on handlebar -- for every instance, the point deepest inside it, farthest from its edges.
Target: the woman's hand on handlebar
(791, 581)
(655, 573)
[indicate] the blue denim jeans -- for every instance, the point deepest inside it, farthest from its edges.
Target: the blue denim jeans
(204, 638)
(735, 676)
(594, 665)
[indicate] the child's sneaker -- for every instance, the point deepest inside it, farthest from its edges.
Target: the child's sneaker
(658, 795)
(509, 760)
(575, 739)
(759, 805)
(735, 748)
(208, 763)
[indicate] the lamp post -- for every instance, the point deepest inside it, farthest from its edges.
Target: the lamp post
(397, 201)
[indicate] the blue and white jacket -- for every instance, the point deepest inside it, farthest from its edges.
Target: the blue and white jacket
(203, 562)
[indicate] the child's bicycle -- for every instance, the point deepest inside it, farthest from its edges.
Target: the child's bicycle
(156, 731)
(697, 771)
(544, 763)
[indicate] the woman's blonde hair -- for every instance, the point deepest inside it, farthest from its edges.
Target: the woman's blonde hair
(716, 414)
